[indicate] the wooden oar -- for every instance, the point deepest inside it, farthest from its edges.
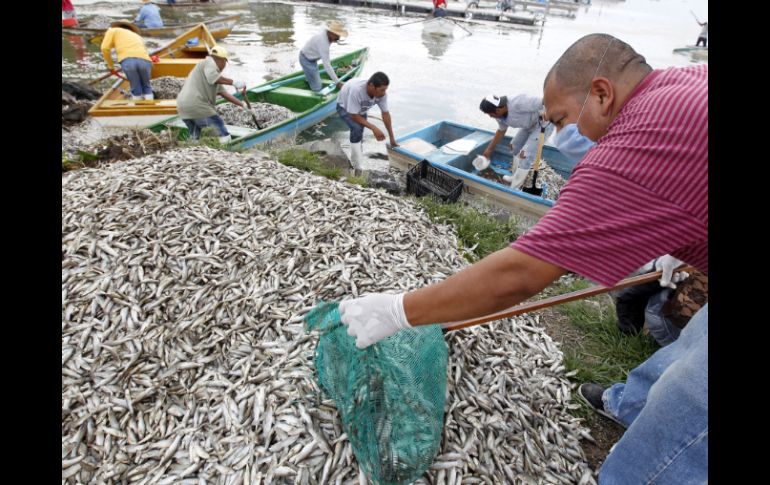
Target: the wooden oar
(458, 24)
(558, 300)
(105, 77)
(248, 105)
(414, 22)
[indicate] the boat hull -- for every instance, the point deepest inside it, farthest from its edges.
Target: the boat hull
(174, 59)
(219, 29)
(290, 91)
(408, 154)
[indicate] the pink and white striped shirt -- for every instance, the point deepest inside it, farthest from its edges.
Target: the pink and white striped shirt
(641, 191)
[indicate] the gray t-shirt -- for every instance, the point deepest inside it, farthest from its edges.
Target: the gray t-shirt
(523, 112)
(198, 96)
(354, 99)
(318, 48)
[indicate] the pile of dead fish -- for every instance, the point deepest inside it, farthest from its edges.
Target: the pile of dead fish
(167, 87)
(185, 277)
(267, 114)
(548, 178)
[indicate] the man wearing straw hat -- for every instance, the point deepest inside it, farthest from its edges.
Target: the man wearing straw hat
(124, 37)
(196, 102)
(318, 48)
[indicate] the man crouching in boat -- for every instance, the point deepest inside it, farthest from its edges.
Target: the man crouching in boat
(196, 103)
(354, 100)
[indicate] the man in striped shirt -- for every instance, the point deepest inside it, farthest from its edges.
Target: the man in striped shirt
(639, 192)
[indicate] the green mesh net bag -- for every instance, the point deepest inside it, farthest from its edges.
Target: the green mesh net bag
(391, 395)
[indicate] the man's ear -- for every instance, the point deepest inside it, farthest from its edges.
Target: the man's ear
(603, 88)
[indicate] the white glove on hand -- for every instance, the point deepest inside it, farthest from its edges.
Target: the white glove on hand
(239, 85)
(668, 264)
(480, 162)
(373, 317)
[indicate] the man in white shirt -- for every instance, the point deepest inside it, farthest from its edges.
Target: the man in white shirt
(196, 102)
(523, 112)
(354, 100)
(318, 48)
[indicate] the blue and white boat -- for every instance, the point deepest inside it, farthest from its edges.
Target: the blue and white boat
(451, 147)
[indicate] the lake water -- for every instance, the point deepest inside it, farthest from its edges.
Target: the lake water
(432, 78)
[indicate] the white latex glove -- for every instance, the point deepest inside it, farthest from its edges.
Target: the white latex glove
(480, 162)
(239, 85)
(373, 317)
(667, 264)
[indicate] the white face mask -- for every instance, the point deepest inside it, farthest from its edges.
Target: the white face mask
(570, 142)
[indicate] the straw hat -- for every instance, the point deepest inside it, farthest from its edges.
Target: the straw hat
(336, 27)
(128, 25)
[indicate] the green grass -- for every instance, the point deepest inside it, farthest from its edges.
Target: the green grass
(357, 181)
(600, 352)
(605, 355)
(307, 161)
(476, 230)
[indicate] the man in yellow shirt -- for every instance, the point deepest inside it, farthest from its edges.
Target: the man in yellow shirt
(132, 55)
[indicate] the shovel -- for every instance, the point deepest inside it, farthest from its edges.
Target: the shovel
(558, 300)
(535, 190)
(248, 105)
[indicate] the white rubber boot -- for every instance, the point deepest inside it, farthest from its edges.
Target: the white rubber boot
(356, 155)
(225, 139)
(519, 176)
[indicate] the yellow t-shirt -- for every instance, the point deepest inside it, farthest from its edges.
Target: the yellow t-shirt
(125, 42)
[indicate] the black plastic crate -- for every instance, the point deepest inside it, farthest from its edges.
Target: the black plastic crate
(424, 179)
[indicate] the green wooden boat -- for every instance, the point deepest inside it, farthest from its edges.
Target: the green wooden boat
(290, 91)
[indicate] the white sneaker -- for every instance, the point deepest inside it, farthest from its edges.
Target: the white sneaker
(149, 97)
(225, 139)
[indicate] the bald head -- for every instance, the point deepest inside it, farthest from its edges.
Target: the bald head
(576, 68)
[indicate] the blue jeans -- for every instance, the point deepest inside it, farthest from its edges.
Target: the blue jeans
(664, 403)
(195, 126)
(660, 327)
(356, 129)
(138, 73)
(311, 72)
(528, 139)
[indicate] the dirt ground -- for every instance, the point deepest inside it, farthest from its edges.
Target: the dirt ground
(605, 432)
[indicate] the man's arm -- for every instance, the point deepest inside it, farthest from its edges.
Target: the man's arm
(231, 98)
(328, 66)
(362, 121)
(499, 134)
(499, 281)
(140, 18)
(389, 126)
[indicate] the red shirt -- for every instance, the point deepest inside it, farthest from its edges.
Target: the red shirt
(641, 191)
(439, 3)
(66, 5)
